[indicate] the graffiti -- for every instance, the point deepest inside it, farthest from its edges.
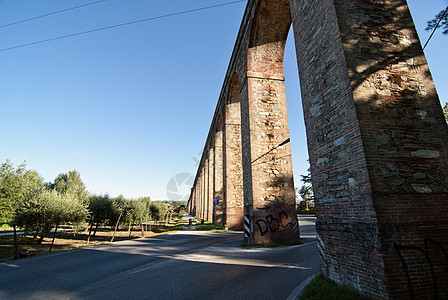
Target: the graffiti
(273, 224)
(426, 253)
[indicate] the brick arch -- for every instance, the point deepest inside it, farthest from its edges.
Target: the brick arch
(268, 34)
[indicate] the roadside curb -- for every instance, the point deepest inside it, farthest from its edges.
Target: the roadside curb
(298, 290)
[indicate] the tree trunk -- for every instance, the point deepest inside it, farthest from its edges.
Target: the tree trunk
(54, 236)
(16, 246)
(141, 224)
(43, 235)
(116, 227)
(96, 228)
(129, 229)
(90, 230)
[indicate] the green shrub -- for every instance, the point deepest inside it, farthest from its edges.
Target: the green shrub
(322, 288)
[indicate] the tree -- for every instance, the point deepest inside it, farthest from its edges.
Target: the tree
(440, 20)
(71, 182)
(306, 191)
(101, 210)
(45, 209)
(158, 210)
(15, 184)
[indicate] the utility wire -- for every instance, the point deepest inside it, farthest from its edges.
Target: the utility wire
(52, 13)
(435, 28)
(122, 24)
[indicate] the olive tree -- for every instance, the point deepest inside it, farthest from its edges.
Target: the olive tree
(45, 209)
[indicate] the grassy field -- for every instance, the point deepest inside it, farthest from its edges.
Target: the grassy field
(71, 240)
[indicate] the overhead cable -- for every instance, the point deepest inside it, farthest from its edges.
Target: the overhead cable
(121, 24)
(49, 14)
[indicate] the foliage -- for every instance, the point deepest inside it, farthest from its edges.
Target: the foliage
(44, 209)
(158, 210)
(302, 209)
(101, 209)
(445, 111)
(322, 288)
(15, 184)
(306, 191)
(442, 16)
(177, 204)
(70, 182)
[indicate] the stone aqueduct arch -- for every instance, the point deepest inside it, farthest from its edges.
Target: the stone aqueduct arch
(377, 142)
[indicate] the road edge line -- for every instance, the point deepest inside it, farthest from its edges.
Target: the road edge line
(299, 289)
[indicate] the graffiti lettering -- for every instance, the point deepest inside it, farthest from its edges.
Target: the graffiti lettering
(272, 224)
(424, 251)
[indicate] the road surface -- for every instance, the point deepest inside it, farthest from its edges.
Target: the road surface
(184, 265)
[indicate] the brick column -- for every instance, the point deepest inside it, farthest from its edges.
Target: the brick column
(218, 173)
(234, 204)
(204, 191)
(378, 147)
(271, 195)
(200, 193)
(211, 171)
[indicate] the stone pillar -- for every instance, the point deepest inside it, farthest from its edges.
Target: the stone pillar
(204, 191)
(270, 196)
(274, 216)
(206, 186)
(211, 171)
(218, 178)
(201, 194)
(378, 147)
(234, 203)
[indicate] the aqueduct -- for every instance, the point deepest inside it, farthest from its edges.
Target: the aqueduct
(376, 135)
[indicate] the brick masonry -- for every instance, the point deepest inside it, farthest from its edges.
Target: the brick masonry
(376, 135)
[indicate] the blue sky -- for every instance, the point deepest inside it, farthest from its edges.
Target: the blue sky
(130, 107)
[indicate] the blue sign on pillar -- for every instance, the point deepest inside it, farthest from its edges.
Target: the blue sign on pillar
(215, 201)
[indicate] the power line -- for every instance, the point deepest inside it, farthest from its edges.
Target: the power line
(52, 13)
(435, 28)
(122, 24)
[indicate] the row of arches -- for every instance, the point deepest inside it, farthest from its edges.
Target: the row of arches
(250, 137)
(376, 135)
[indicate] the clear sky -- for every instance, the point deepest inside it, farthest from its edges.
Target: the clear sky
(130, 107)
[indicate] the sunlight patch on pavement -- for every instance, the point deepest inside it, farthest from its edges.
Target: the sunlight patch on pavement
(219, 259)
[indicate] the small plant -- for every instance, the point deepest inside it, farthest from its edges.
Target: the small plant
(321, 288)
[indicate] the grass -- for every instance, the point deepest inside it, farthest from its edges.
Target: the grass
(322, 288)
(71, 240)
(209, 226)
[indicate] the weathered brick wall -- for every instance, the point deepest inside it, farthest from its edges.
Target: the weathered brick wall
(376, 139)
(405, 139)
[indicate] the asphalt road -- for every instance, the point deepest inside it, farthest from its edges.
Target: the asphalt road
(184, 265)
